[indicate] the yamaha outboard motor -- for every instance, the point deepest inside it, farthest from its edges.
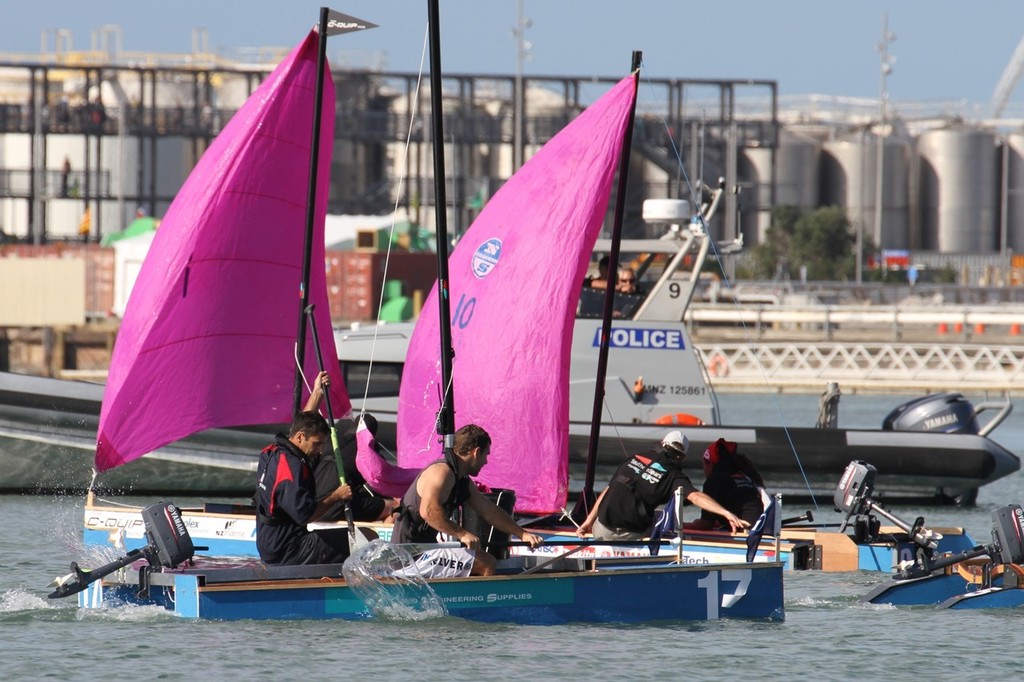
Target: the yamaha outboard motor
(942, 413)
(169, 545)
(1008, 534)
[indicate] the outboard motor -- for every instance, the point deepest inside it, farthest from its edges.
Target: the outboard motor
(169, 545)
(853, 497)
(941, 413)
(1008, 534)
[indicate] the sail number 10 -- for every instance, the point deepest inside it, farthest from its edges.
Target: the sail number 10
(463, 312)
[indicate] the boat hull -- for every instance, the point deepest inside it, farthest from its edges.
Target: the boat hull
(634, 595)
(913, 466)
(948, 589)
(48, 437)
(48, 443)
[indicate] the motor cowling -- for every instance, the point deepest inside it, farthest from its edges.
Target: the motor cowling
(1008, 534)
(940, 413)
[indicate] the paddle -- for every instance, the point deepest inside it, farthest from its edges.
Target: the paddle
(355, 538)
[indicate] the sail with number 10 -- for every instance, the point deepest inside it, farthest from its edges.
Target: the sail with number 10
(208, 337)
(515, 278)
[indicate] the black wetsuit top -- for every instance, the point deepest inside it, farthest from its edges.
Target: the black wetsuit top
(737, 493)
(410, 526)
(639, 486)
(366, 504)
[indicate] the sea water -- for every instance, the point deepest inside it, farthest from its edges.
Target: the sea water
(827, 634)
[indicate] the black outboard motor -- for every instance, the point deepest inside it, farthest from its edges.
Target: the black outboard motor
(169, 545)
(853, 497)
(1008, 534)
(941, 413)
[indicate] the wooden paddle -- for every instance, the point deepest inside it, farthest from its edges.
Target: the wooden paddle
(355, 538)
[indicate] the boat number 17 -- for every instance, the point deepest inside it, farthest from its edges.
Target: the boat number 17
(739, 576)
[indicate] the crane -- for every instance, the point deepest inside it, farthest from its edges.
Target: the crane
(1008, 81)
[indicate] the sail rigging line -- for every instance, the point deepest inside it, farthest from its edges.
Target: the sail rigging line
(748, 337)
(413, 116)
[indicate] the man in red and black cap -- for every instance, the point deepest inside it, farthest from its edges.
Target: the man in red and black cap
(625, 509)
(733, 481)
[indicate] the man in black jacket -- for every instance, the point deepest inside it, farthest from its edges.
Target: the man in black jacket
(286, 499)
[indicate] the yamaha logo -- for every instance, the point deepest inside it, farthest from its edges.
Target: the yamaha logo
(486, 257)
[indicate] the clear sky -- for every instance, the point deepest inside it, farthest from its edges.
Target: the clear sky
(944, 49)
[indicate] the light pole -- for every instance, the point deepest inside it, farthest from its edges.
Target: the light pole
(522, 54)
(887, 62)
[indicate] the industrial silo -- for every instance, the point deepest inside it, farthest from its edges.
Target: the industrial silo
(1014, 188)
(958, 190)
(850, 180)
(795, 180)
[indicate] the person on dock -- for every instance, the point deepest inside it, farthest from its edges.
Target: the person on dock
(433, 497)
(366, 504)
(625, 509)
(732, 480)
(286, 499)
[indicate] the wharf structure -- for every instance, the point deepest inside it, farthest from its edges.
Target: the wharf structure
(89, 140)
(110, 132)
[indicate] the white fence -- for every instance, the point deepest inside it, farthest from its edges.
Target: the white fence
(894, 321)
(869, 367)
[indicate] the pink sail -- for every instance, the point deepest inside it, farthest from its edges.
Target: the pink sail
(382, 476)
(208, 338)
(515, 281)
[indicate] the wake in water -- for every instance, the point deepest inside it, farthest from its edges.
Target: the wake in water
(381, 575)
(18, 601)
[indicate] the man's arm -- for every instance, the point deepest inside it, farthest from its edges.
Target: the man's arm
(708, 503)
(339, 494)
(317, 394)
(588, 523)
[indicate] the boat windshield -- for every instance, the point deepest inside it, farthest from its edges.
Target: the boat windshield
(591, 304)
(384, 382)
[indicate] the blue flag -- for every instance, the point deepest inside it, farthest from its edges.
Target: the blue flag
(664, 522)
(767, 521)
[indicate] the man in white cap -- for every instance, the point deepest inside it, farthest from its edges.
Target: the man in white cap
(625, 509)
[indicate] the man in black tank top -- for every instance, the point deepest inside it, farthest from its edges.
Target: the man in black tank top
(439, 489)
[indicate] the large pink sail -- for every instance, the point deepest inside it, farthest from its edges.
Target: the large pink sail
(515, 280)
(208, 337)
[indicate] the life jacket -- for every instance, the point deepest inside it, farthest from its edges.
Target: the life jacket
(410, 526)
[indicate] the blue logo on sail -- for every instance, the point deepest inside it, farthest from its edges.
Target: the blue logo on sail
(486, 257)
(654, 339)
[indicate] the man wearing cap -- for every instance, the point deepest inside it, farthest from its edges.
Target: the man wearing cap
(625, 509)
(731, 479)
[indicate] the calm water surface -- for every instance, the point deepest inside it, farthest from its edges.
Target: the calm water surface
(826, 635)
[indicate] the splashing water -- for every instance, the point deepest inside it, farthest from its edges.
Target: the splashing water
(383, 576)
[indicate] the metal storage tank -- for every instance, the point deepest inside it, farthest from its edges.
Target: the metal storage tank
(795, 180)
(850, 178)
(1014, 186)
(958, 190)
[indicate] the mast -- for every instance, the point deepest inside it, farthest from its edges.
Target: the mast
(587, 496)
(446, 415)
(330, 23)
